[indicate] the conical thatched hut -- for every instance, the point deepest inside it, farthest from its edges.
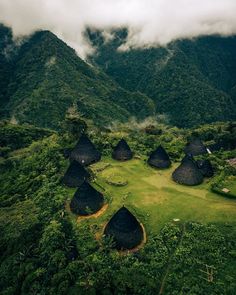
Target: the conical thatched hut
(125, 230)
(122, 151)
(188, 172)
(205, 167)
(75, 175)
(159, 158)
(87, 200)
(195, 147)
(85, 152)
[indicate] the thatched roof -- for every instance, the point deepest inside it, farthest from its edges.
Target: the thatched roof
(224, 144)
(195, 147)
(188, 172)
(75, 175)
(122, 151)
(87, 200)
(159, 158)
(205, 167)
(125, 230)
(85, 152)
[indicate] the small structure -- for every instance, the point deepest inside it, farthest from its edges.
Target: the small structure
(225, 190)
(205, 167)
(195, 147)
(159, 158)
(122, 151)
(188, 172)
(223, 144)
(124, 228)
(75, 175)
(232, 162)
(87, 200)
(85, 152)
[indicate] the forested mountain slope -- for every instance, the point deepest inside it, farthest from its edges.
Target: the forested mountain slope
(48, 78)
(5, 64)
(190, 80)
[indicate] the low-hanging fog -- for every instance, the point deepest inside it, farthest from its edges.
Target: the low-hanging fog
(149, 22)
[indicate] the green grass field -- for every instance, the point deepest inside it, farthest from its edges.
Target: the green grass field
(156, 199)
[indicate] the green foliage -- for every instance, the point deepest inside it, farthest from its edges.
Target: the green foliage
(48, 78)
(190, 81)
(5, 63)
(44, 250)
(73, 125)
(19, 136)
(141, 142)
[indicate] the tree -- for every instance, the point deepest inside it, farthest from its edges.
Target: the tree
(74, 125)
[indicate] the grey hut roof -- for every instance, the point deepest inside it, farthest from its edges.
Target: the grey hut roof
(75, 175)
(223, 144)
(195, 147)
(87, 200)
(159, 158)
(85, 152)
(188, 172)
(205, 167)
(122, 151)
(126, 231)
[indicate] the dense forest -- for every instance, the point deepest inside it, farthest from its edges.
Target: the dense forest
(184, 79)
(47, 78)
(180, 82)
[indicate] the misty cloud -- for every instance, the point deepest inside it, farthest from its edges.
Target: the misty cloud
(149, 22)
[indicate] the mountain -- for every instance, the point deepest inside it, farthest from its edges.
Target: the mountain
(192, 81)
(5, 64)
(48, 78)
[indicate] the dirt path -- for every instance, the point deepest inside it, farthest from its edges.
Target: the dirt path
(166, 273)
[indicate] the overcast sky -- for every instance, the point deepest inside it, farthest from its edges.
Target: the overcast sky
(150, 22)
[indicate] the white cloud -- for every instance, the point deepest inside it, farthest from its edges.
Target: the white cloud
(150, 22)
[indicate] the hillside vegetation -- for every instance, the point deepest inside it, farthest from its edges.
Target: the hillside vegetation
(45, 250)
(190, 81)
(48, 78)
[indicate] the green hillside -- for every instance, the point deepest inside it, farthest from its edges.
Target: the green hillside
(48, 78)
(185, 80)
(5, 63)
(190, 81)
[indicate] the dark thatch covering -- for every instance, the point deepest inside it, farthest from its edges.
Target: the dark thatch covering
(223, 144)
(75, 175)
(195, 147)
(66, 153)
(205, 168)
(87, 200)
(159, 158)
(85, 152)
(188, 172)
(122, 151)
(125, 230)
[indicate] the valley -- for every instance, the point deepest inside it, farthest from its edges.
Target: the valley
(117, 167)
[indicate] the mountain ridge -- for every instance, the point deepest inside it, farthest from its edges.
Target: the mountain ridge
(48, 78)
(190, 82)
(185, 79)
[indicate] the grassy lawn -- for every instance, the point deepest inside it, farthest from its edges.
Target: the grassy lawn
(155, 199)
